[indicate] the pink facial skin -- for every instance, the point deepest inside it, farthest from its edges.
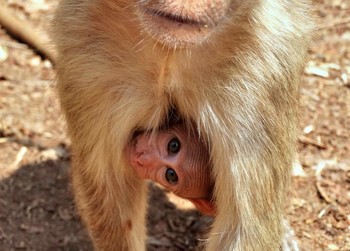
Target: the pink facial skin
(178, 160)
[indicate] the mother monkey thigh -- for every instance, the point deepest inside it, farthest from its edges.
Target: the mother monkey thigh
(229, 67)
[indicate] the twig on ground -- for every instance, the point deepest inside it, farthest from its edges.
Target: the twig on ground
(306, 140)
(6, 172)
(332, 204)
(23, 32)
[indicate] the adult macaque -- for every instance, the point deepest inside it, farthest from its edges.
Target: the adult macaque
(230, 68)
(177, 159)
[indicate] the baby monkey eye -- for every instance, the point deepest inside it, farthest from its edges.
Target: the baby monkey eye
(171, 176)
(174, 146)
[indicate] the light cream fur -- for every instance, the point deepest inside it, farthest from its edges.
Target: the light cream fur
(239, 87)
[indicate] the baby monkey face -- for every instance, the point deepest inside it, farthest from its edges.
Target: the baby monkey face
(179, 160)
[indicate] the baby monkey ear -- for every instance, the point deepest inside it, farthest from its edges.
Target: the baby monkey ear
(205, 206)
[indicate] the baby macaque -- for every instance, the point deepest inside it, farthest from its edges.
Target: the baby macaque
(179, 160)
(230, 68)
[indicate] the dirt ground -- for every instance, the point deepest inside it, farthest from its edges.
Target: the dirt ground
(36, 208)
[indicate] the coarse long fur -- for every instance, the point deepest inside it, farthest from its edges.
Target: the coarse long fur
(239, 87)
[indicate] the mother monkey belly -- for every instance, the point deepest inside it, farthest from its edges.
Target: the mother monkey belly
(229, 67)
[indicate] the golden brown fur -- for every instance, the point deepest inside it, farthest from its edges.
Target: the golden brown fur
(239, 87)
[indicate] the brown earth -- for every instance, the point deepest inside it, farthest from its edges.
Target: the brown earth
(36, 208)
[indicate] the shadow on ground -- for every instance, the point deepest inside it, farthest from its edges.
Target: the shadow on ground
(37, 213)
